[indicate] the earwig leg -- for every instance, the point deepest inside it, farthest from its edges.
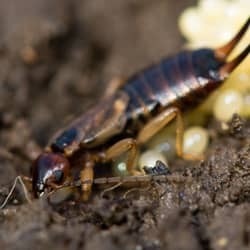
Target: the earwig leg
(225, 50)
(87, 176)
(113, 85)
(126, 145)
(159, 122)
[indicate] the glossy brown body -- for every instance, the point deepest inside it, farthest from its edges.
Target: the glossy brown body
(134, 112)
(181, 81)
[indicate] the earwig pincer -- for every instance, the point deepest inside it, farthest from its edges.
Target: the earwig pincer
(132, 112)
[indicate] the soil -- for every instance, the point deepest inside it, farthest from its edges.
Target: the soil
(56, 59)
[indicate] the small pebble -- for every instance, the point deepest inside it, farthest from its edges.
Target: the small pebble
(159, 169)
(149, 159)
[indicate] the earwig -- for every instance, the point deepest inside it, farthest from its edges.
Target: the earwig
(131, 113)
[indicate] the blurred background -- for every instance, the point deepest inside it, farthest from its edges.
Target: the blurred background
(57, 56)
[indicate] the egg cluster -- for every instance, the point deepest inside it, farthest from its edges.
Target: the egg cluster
(212, 23)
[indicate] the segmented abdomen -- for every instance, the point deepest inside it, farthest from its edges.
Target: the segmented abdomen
(181, 81)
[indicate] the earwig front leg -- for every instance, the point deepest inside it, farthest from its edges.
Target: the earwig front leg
(128, 145)
(87, 177)
(159, 123)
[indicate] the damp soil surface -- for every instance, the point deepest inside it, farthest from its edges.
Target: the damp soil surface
(56, 59)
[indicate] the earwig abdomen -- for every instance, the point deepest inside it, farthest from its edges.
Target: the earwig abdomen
(182, 81)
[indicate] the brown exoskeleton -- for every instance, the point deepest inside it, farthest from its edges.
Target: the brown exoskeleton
(132, 113)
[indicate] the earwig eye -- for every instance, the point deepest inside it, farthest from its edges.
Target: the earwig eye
(58, 174)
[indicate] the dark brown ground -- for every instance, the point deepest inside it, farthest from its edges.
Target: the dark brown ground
(55, 59)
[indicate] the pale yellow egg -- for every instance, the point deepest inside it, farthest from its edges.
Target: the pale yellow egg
(119, 167)
(246, 105)
(227, 103)
(190, 23)
(164, 141)
(239, 81)
(195, 140)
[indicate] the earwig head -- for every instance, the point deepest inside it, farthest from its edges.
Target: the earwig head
(48, 171)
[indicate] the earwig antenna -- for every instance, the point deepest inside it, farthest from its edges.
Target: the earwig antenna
(119, 180)
(225, 50)
(111, 188)
(26, 194)
(230, 66)
(132, 190)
